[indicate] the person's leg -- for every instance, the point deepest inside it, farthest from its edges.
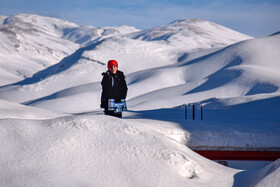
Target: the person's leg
(110, 113)
(106, 111)
(119, 115)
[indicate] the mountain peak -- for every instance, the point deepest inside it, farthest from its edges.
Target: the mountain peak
(35, 19)
(193, 33)
(187, 20)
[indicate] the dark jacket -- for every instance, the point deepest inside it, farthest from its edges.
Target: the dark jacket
(113, 87)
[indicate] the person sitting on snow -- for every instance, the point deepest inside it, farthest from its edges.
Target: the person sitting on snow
(113, 87)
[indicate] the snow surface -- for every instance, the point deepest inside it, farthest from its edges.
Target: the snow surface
(18, 111)
(192, 34)
(97, 150)
(53, 132)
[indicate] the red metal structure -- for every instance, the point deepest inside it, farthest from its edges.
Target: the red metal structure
(240, 155)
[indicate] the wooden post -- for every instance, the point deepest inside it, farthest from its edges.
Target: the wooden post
(201, 112)
(193, 112)
(186, 112)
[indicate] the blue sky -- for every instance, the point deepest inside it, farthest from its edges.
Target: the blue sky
(253, 17)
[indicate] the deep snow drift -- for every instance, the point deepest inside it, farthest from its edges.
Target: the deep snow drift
(97, 150)
(54, 134)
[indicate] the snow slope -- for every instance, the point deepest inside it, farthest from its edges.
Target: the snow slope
(97, 150)
(133, 54)
(265, 177)
(247, 68)
(18, 111)
(31, 43)
(43, 41)
(192, 34)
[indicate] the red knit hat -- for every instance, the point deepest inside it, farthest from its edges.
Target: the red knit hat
(111, 63)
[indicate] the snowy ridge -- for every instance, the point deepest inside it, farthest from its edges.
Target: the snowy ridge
(192, 34)
(43, 41)
(25, 42)
(17, 111)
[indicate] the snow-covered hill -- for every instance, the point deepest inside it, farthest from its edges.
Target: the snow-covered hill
(46, 34)
(96, 150)
(192, 34)
(43, 41)
(30, 43)
(154, 73)
(246, 68)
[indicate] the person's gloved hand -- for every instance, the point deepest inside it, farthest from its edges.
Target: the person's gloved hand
(124, 104)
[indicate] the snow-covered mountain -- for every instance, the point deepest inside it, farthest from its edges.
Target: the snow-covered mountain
(155, 72)
(133, 53)
(192, 34)
(53, 132)
(30, 43)
(160, 73)
(43, 41)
